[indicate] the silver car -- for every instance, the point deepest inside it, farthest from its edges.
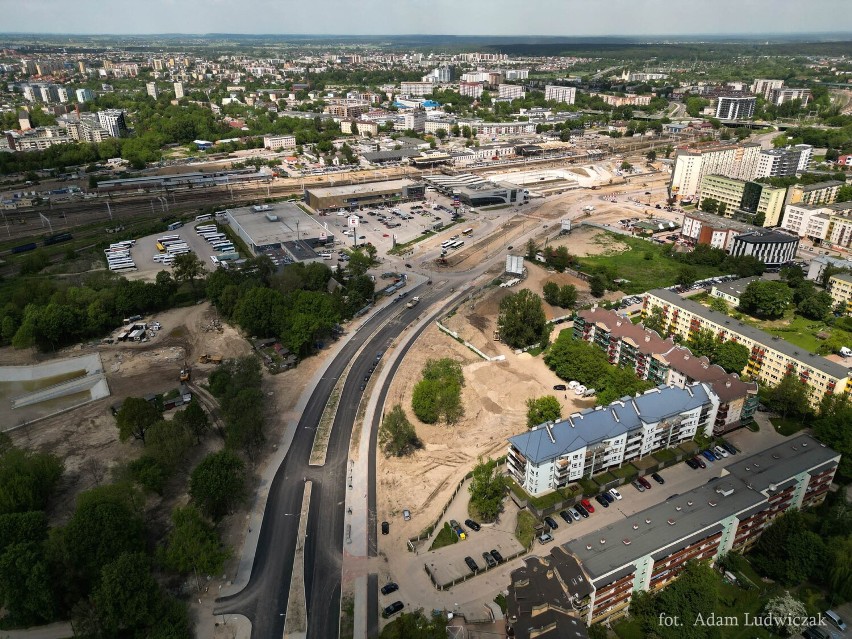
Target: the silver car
(575, 514)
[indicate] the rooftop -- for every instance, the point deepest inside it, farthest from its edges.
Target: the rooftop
(368, 187)
(843, 277)
(546, 442)
(755, 334)
(291, 224)
(671, 525)
(820, 185)
(767, 237)
(737, 287)
(718, 222)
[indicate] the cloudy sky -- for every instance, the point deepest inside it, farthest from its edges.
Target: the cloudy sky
(462, 17)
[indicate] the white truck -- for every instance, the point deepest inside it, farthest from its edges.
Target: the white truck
(413, 302)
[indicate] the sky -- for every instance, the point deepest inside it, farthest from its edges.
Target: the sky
(441, 17)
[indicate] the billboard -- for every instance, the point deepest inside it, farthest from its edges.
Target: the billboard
(352, 221)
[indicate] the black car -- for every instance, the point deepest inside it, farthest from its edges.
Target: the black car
(730, 448)
(471, 564)
(497, 556)
(489, 560)
(699, 461)
(602, 501)
(550, 521)
(389, 588)
(408, 266)
(391, 610)
(583, 512)
(472, 524)
(692, 464)
(564, 514)
(608, 497)
(510, 247)
(657, 478)
(385, 528)
(561, 387)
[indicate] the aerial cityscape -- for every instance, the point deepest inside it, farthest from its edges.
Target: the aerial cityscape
(414, 321)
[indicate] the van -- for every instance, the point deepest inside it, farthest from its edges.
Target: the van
(834, 618)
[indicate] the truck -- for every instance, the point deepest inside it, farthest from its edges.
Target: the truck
(413, 302)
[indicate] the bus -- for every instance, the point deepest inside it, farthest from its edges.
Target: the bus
(226, 248)
(203, 218)
(177, 247)
(123, 267)
(216, 243)
(205, 228)
(457, 245)
(446, 244)
(161, 247)
(168, 237)
(467, 232)
(125, 244)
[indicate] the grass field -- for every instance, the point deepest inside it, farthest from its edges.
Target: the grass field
(787, 425)
(444, 538)
(525, 530)
(644, 264)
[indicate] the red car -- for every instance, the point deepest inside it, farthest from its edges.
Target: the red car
(645, 483)
(587, 505)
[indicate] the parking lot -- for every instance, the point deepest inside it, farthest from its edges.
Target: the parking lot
(145, 249)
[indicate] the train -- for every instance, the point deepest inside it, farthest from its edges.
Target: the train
(58, 238)
(23, 248)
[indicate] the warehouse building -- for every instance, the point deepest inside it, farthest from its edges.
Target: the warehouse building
(283, 231)
(352, 196)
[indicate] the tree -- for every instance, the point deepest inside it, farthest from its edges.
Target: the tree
(789, 397)
(686, 276)
(521, 320)
(567, 296)
(188, 267)
(167, 442)
(732, 356)
(218, 483)
(626, 166)
(597, 285)
(259, 311)
(415, 625)
(620, 382)
(817, 306)
(656, 321)
(441, 134)
(703, 343)
(719, 305)
(397, 436)
(709, 205)
(651, 155)
(788, 552)
(487, 487)
(832, 427)
(438, 395)
(27, 480)
(577, 360)
(844, 193)
(783, 612)
(192, 545)
(135, 417)
(543, 409)
(127, 597)
(693, 593)
(766, 299)
(551, 293)
(668, 150)
(195, 420)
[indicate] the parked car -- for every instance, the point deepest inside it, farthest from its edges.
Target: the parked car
(545, 538)
(638, 486)
(658, 478)
(391, 610)
(583, 512)
(566, 516)
(720, 452)
(602, 501)
(490, 562)
(645, 483)
(385, 528)
(575, 514)
(389, 588)
(730, 448)
(472, 525)
(585, 503)
(560, 387)
(699, 461)
(609, 498)
(406, 514)
(614, 492)
(692, 464)
(550, 521)
(815, 632)
(471, 564)
(497, 556)
(708, 455)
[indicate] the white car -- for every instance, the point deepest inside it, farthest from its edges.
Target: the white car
(720, 452)
(573, 384)
(615, 493)
(580, 390)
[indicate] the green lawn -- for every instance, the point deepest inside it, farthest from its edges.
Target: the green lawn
(643, 274)
(525, 529)
(801, 331)
(545, 501)
(787, 425)
(444, 538)
(628, 629)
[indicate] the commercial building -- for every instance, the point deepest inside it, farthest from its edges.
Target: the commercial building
(552, 455)
(814, 194)
(280, 229)
(713, 230)
(631, 99)
(840, 289)
(368, 194)
(735, 107)
(829, 223)
(691, 164)
(474, 190)
(560, 94)
(510, 91)
(276, 142)
(773, 248)
(661, 361)
(770, 358)
(745, 200)
(648, 550)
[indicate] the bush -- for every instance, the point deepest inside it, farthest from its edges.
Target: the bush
(397, 436)
(438, 395)
(148, 473)
(525, 528)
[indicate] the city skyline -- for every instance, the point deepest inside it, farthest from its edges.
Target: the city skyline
(643, 18)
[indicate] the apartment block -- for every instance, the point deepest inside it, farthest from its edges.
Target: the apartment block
(552, 455)
(745, 199)
(763, 87)
(662, 361)
(645, 552)
(510, 91)
(560, 94)
(691, 164)
(179, 92)
(631, 99)
(783, 162)
(276, 142)
(416, 88)
(840, 289)
(152, 89)
(414, 120)
(780, 95)
(113, 121)
(735, 107)
(85, 95)
(814, 194)
(770, 359)
(831, 223)
(471, 89)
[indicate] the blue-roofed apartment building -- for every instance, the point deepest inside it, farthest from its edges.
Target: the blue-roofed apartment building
(552, 455)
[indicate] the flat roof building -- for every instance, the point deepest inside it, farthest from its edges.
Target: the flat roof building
(840, 289)
(773, 248)
(280, 229)
(474, 190)
(352, 196)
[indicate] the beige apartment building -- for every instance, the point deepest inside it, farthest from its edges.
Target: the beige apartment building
(771, 357)
(829, 223)
(840, 289)
(691, 164)
(752, 198)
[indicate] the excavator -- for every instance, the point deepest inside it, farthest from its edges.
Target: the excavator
(185, 373)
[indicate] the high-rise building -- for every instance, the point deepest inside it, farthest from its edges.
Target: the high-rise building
(517, 74)
(782, 162)
(471, 89)
(745, 199)
(560, 94)
(786, 94)
(691, 164)
(735, 107)
(112, 120)
(151, 87)
(763, 87)
(62, 94)
(414, 120)
(510, 91)
(179, 90)
(85, 95)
